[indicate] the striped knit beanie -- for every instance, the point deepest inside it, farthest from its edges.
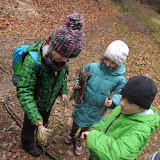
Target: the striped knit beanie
(67, 39)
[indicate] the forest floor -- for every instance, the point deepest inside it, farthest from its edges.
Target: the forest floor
(25, 21)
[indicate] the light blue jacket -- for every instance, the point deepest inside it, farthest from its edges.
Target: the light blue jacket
(102, 80)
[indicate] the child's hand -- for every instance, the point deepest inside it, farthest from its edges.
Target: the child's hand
(85, 134)
(77, 86)
(40, 123)
(108, 102)
(63, 97)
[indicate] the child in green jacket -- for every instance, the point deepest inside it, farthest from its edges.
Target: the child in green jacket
(126, 131)
(37, 92)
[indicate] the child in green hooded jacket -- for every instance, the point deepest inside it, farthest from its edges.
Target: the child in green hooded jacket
(126, 131)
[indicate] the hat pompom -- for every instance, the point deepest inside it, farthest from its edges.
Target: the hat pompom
(67, 40)
(74, 21)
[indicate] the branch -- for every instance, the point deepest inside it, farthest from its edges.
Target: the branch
(4, 70)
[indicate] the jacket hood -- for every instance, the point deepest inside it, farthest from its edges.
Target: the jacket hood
(120, 71)
(151, 120)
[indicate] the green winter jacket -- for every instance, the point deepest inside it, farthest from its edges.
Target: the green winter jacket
(121, 137)
(50, 87)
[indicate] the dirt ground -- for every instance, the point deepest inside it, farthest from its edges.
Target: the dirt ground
(98, 33)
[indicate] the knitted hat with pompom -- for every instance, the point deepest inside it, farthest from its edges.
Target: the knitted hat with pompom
(67, 40)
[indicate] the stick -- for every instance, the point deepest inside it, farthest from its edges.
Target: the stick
(104, 108)
(13, 115)
(10, 110)
(4, 70)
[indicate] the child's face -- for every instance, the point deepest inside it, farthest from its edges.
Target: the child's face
(128, 107)
(57, 57)
(110, 63)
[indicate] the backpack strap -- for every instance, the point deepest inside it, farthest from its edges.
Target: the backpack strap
(33, 54)
(35, 58)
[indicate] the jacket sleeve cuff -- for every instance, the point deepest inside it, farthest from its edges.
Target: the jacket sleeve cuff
(36, 119)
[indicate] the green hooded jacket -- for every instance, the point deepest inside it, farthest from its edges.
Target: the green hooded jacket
(121, 137)
(50, 87)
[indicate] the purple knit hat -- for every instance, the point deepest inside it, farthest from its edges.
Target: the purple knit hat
(68, 39)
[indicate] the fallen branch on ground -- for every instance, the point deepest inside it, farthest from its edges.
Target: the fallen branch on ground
(4, 70)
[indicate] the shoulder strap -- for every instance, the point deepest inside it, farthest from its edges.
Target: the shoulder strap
(35, 58)
(33, 54)
(33, 50)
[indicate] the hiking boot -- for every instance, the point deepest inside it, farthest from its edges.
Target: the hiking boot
(68, 139)
(34, 152)
(78, 146)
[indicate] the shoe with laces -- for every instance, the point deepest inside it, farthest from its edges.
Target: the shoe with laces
(78, 146)
(68, 139)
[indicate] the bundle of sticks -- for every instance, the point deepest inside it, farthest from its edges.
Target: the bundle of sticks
(78, 94)
(104, 108)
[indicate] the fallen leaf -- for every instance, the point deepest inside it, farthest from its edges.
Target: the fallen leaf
(71, 146)
(52, 145)
(14, 156)
(14, 123)
(9, 147)
(5, 145)
(4, 157)
(70, 153)
(69, 122)
(55, 139)
(59, 114)
(18, 153)
(7, 91)
(54, 153)
(155, 138)
(61, 152)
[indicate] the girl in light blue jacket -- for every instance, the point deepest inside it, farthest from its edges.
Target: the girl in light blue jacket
(105, 77)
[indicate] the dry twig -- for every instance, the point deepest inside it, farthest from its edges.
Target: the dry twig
(78, 94)
(104, 108)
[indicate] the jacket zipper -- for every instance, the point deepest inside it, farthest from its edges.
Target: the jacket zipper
(113, 121)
